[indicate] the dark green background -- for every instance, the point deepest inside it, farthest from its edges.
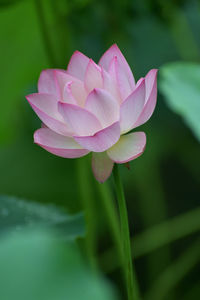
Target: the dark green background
(164, 181)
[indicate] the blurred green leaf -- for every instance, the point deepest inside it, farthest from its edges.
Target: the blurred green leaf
(180, 83)
(35, 265)
(15, 214)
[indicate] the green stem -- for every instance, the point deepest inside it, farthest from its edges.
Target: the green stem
(157, 236)
(132, 287)
(87, 197)
(112, 217)
(45, 33)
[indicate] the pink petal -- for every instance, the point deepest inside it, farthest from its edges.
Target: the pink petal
(93, 78)
(109, 84)
(80, 120)
(151, 96)
(150, 81)
(128, 147)
(45, 106)
(61, 79)
(138, 82)
(79, 92)
(58, 144)
(132, 107)
(76, 86)
(101, 140)
(103, 106)
(46, 82)
(101, 166)
(77, 65)
(123, 65)
(67, 94)
(121, 79)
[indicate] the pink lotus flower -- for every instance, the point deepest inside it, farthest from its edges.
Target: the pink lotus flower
(90, 108)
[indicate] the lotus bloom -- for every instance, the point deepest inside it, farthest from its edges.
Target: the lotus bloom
(92, 107)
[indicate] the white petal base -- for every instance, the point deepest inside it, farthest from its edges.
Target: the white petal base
(128, 147)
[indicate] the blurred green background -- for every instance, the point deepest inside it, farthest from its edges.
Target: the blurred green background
(163, 185)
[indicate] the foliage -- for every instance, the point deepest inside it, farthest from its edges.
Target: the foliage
(180, 83)
(17, 214)
(36, 265)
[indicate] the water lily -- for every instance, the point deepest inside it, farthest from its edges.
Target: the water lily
(91, 108)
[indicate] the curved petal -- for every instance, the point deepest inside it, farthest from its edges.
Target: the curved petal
(79, 92)
(132, 107)
(123, 65)
(121, 79)
(61, 79)
(102, 140)
(103, 106)
(109, 84)
(150, 80)
(46, 82)
(151, 96)
(67, 94)
(93, 78)
(80, 120)
(77, 65)
(101, 166)
(58, 144)
(138, 82)
(45, 106)
(128, 147)
(76, 87)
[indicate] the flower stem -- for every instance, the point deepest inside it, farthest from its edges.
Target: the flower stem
(112, 217)
(132, 287)
(87, 197)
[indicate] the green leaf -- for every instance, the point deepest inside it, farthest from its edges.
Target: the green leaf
(16, 214)
(36, 265)
(180, 84)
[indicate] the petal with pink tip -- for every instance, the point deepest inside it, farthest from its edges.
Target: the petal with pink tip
(61, 79)
(76, 86)
(46, 82)
(102, 140)
(103, 106)
(58, 144)
(45, 106)
(101, 166)
(67, 94)
(121, 79)
(138, 82)
(123, 65)
(80, 120)
(132, 107)
(150, 80)
(77, 65)
(128, 147)
(151, 96)
(109, 84)
(93, 77)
